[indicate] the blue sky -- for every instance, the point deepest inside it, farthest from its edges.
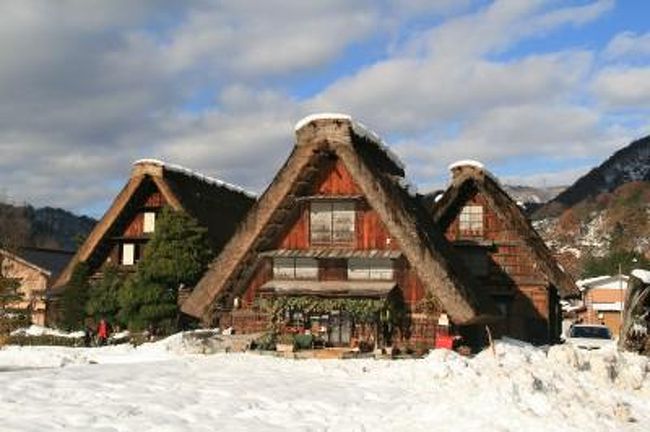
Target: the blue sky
(538, 90)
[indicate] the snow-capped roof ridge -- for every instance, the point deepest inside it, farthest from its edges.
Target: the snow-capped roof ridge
(320, 116)
(474, 164)
(364, 131)
(359, 129)
(195, 174)
(466, 162)
(643, 275)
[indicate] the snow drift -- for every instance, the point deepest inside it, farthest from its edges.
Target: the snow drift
(161, 386)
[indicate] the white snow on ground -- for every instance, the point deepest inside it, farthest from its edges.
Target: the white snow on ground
(161, 387)
(36, 330)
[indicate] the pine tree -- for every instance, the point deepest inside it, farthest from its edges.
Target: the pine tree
(74, 298)
(8, 289)
(103, 295)
(176, 256)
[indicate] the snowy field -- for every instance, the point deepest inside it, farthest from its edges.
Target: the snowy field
(162, 387)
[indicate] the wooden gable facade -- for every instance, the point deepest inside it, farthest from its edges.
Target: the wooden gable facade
(321, 234)
(504, 253)
(120, 236)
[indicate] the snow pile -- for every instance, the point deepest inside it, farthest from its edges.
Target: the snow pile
(521, 388)
(36, 330)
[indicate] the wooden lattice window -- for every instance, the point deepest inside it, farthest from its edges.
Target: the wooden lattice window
(332, 222)
(471, 220)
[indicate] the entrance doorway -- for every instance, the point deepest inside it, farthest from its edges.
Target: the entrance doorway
(339, 330)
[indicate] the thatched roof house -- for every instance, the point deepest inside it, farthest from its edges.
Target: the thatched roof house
(484, 223)
(130, 220)
(338, 160)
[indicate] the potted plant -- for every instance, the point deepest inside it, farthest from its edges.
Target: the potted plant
(285, 343)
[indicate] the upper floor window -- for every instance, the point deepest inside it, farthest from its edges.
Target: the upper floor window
(471, 220)
(332, 222)
(149, 224)
(369, 269)
(295, 268)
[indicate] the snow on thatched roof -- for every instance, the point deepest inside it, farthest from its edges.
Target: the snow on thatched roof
(190, 172)
(470, 177)
(642, 275)
(318, 140)
(359, 128)
(216, 205)
(459, 165)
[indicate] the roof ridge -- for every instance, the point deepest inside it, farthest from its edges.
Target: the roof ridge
(195, 174)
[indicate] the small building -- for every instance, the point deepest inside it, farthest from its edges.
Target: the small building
(35, 269)
(604, 300)
(501, 249)
(126, 227)
(339, 247)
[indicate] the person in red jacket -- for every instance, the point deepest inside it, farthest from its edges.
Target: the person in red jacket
(102, 332)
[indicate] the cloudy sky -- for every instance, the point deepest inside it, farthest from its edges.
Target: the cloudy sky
(539, 90)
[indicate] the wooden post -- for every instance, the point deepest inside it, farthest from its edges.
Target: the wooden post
(490, 341)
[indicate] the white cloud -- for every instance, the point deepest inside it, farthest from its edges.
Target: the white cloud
(623, 87)
(88, 86)
(548, 178)
(628, 45)
(408, 94)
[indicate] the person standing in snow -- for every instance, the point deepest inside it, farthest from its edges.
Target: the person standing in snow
(102, 332)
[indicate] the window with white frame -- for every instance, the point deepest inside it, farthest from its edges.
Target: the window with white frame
(128, 254)
(332, 222)
(295, 268)
(149, 224)
(370, 269)
(471, 220)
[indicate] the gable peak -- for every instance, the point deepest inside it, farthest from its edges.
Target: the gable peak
(471, 168)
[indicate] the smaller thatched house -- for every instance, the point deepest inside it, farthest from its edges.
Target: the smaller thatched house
(503, 251)
(121, 234)
(338, 247)
(35, 269)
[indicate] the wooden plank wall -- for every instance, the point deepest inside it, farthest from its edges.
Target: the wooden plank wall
(512, 272)
(370, 231)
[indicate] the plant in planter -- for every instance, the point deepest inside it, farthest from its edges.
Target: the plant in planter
(286, 343)
(266, 342)
(304, 341)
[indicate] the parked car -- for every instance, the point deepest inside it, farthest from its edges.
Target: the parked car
(590, 337)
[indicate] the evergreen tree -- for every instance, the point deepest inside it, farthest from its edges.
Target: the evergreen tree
(74, 298)
(177, 255)
(8, 289)
(103, 295)
(609, 264)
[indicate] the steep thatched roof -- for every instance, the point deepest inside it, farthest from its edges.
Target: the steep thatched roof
(471, 178)
(216, 205)
(380, 177)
